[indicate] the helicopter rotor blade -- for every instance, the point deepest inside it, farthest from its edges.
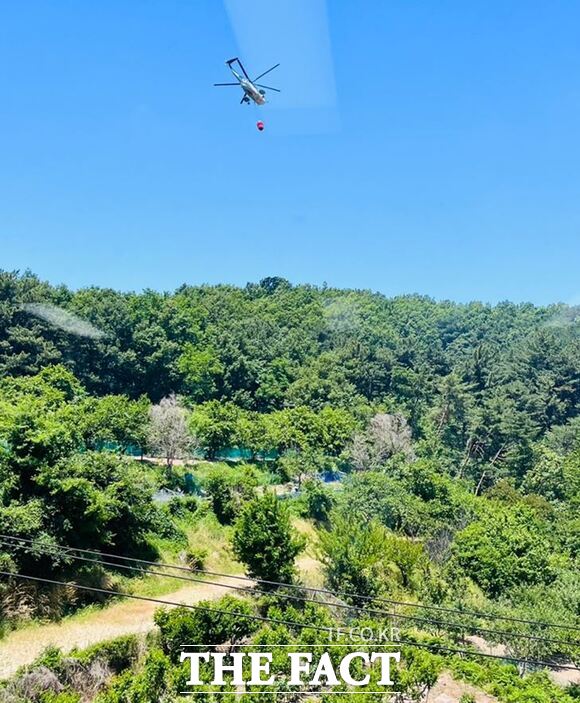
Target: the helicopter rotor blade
(221, 84)
(268, 87)
(257, 78)
(240, 64)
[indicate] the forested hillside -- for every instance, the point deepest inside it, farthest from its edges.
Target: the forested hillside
(455, 430)
(480, 383)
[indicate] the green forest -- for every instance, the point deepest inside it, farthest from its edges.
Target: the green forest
(424, 454)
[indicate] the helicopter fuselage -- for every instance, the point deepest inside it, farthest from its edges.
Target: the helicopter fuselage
(253, 91)
(250, 90)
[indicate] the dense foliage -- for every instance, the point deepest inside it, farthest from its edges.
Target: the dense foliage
(264, 540)
(455, 430)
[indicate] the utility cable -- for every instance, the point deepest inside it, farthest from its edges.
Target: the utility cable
(287, 623)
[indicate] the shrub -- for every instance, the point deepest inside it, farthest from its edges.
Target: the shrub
(182, 507)
(119, 653)
(316, 502)
(195, 557)
(50, 658)
(265, 540)
(222, 622)
(505, 548)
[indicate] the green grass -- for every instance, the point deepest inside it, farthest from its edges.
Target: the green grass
(203, 531)
(200, 470)
(198, 530)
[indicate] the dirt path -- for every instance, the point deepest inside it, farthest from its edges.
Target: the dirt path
(125, 617)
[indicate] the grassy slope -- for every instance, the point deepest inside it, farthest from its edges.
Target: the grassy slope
(123, 617)
(94, 624)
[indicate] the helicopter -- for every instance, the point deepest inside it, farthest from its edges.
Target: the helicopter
(253, 91)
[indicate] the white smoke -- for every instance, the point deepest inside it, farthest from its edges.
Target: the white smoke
(565, 315)
(63, 319)
(342, 315)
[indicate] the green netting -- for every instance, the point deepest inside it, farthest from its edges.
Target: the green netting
(241, 454)
(226, 454)
(192, 484)
(130, 450)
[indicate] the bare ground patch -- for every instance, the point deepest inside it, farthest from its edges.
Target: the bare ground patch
(448, 690)
(125, 617)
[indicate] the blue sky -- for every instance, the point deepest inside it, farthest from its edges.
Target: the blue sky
(426, 147)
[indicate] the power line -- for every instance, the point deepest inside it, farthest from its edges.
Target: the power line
(389, 601)
(444, 624)
(288, 623)
(312, 589)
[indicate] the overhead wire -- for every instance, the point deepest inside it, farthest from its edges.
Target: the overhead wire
(443, 624)
(291, 623)
(312, 589)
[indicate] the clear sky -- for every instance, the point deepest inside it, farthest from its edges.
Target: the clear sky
(428, 147)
